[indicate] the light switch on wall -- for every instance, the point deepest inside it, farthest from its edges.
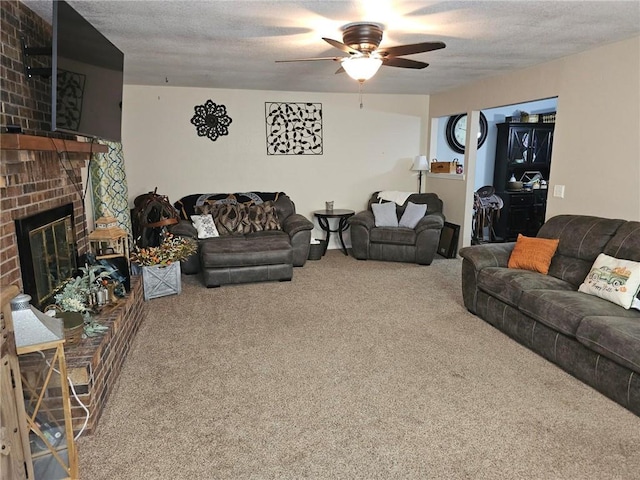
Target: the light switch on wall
(558, 191)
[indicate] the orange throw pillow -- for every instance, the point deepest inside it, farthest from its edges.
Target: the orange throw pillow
(533, 253)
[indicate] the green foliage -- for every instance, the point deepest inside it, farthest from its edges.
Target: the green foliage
(73, 294)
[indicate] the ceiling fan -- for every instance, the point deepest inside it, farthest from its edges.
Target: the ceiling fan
(361, 40)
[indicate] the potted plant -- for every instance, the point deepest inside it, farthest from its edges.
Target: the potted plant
(74, 305)
(161, 265)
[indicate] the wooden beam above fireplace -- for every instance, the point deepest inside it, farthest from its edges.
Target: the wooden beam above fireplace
(17, 141)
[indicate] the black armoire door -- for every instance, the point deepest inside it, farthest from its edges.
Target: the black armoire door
(520, 148)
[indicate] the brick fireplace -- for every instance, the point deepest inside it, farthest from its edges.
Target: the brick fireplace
(32, 182)
(32, 179)
(37, 173)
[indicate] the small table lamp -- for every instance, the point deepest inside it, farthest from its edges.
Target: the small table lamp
(420, 165)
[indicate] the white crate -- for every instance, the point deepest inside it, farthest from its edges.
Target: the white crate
(161, 280)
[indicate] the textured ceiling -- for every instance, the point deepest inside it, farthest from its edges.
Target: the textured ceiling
(234, 43)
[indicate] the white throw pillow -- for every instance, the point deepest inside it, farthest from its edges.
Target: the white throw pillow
(385, 214)
(613, 279)
(413, 213)
(205, 226)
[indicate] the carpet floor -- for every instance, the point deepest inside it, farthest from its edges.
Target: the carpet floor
(354, 369)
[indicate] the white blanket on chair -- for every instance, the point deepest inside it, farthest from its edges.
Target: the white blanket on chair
(394, 196)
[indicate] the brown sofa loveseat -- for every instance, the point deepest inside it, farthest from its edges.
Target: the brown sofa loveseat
(261, 237)
(593, 339)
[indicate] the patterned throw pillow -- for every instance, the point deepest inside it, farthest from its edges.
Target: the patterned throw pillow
(225, 216)
(204, 209)
(613, 279)
(205, 226)
(262, 217)
(242, 218)
(244, 225)
(533, 253)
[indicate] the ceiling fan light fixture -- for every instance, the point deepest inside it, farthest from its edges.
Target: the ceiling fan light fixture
(361, 68)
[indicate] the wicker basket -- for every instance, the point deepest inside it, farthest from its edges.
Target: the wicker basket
(73, 323)
(73, 332)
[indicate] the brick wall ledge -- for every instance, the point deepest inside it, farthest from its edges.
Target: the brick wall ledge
(94, 364)
(17, 141)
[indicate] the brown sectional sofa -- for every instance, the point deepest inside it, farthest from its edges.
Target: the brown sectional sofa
(593, 339)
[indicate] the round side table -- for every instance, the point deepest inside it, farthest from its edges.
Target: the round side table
(323, 217)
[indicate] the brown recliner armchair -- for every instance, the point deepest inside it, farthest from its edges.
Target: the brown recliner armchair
(398, 244)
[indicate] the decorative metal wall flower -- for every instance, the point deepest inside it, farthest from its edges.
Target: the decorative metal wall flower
(211, 120)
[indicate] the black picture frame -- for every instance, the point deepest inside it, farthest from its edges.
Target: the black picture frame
(293, 128)
(448, 246)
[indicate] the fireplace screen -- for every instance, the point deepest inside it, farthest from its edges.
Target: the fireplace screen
(53, 256)
(46, 243)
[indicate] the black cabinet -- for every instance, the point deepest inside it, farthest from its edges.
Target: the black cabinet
(523, 212)
(520, 148)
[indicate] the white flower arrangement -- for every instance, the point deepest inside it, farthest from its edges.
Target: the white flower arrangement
(71, 305)
(73, 296)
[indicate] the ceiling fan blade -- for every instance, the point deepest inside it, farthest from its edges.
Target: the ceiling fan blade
(403, 63)
(340, 46)
(335, 59)
(410, 49)
(340, 70)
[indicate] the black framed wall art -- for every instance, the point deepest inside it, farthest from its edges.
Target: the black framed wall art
(293, 128)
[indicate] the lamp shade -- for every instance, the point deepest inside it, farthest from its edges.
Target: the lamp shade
(420, 163)
(361, 68)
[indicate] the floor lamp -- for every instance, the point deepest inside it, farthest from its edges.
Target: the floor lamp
(420, 165)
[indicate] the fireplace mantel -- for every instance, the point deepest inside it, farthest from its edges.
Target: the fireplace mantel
(34, 176)
(17, 141)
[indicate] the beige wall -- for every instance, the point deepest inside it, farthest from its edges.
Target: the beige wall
(364, 150)
(596, 150)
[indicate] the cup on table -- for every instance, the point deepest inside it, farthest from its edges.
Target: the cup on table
(329, 206)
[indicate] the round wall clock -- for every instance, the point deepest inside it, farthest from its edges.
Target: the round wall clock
(456, 131)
